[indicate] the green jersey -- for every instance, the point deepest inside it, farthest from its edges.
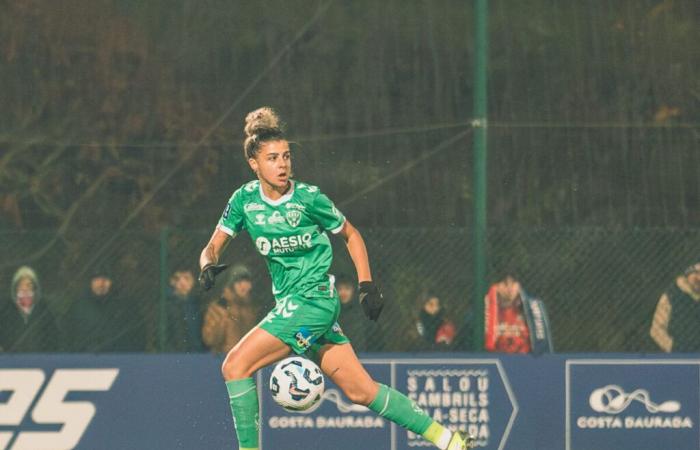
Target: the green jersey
(289, 232)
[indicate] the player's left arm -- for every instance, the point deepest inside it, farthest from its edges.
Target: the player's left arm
(358, 251)
(324, 212)
(370, 297)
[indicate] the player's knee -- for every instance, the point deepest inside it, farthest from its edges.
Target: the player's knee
(360, 395)
(232, 368)
(226, 369)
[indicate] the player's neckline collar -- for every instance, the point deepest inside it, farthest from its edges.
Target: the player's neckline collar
(280, 200)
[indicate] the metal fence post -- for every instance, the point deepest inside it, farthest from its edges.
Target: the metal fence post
(480, 129)
(162, 315)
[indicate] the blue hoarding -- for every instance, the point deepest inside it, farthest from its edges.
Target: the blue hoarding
(629, 403)
(575, 402)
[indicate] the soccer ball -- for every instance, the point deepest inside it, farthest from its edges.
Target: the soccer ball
(296, 384)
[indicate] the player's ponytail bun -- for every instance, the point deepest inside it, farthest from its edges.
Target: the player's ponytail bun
(262, 120)
(261, 125)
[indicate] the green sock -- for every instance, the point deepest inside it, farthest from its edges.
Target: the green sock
(243, 398)
(393, 405)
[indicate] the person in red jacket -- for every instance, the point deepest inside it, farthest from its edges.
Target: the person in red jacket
(506, 327)
(514, 321)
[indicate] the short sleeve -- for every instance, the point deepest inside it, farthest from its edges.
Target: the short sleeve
(232, 219)
(324, 212)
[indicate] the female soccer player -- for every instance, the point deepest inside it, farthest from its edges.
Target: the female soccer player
(287, 221)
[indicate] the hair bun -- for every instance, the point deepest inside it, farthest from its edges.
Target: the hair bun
(262, 121)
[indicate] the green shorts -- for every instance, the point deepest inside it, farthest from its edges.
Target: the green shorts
(305, 323)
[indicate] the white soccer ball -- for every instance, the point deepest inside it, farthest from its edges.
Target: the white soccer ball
(296, 383)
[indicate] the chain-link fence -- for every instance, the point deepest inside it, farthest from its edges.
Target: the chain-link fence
(600, 286)
(592, 109)
(67, 314)
(118, 133)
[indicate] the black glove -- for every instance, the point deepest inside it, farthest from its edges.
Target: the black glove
(371, 299)
(207, 275)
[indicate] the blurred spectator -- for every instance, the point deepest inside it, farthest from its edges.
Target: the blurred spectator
(230, 317)
(352, 319)
(676, 322)
(183, 314)
(101, 321)
(27, 324)
(436, 330)
(515, 322)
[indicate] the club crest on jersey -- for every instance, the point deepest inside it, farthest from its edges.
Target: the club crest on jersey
(293, 218)
(275, 218)
(260, 219)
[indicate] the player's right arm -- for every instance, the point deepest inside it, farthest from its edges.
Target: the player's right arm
(209, 258)
(212, 251)
(231, 223)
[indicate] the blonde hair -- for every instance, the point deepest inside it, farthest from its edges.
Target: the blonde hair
(261, 125)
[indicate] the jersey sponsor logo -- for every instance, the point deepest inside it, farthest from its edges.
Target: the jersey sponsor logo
(293, 218)
(264, 245)
(285, 244)
(260, 219)
(227, 210)
(275, 218)
(292, 205)
(253, 207)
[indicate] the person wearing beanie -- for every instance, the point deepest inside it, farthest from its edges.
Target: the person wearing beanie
(27, 323)
(183, 312)
(100, 321)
